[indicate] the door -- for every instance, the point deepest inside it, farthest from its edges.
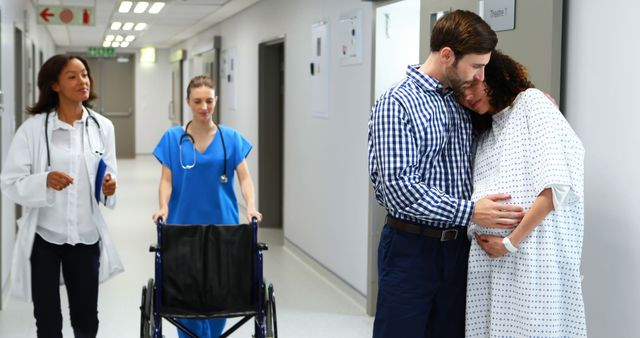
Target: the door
(115, 86)
(175, 109)
(397, 44)
(270, 132)
(211, 68)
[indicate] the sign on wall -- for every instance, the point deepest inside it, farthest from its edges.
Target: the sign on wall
(319, 69)
(66, 15)
(499, 14)
(350, 35)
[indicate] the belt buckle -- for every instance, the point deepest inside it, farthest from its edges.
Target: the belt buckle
(445, 235)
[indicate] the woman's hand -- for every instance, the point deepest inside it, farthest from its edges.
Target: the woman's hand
(58, 180)
(108, 185)
(161, 213)
(251, 213)
(492, 245)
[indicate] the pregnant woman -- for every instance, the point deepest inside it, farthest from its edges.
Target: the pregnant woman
(525, 281)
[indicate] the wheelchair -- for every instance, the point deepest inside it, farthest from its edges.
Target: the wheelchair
(205, 272)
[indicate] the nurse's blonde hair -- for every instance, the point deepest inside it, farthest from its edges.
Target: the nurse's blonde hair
(199, 81)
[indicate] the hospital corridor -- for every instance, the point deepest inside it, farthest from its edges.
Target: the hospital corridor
(309, 303)
(336, 127)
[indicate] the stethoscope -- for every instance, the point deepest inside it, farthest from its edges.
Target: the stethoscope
(95, 151)
(187, 136)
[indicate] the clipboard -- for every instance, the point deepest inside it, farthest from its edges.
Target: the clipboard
(102, 170)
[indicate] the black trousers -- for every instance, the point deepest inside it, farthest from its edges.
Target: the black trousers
(80, 264)
(421, 286)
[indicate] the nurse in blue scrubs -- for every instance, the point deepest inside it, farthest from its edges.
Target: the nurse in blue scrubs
(199, 161)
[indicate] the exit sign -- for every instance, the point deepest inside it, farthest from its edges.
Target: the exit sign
(66, 15)
(101, 52)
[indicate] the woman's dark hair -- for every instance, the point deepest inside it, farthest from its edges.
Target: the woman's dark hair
(464, 32)
(49, 74)
(197, 82)
(505, 79)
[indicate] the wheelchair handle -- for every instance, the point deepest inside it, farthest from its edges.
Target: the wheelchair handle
(254, 220)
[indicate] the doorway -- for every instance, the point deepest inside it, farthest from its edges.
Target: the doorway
(397, 44)
(271, 131)
(115, 86)
(175, 109)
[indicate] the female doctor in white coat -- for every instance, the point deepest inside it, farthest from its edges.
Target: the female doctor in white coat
(51, 170)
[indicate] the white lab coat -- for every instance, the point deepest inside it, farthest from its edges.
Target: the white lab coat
(24, 180)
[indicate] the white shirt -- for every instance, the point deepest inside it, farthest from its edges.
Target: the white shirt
(69, 219)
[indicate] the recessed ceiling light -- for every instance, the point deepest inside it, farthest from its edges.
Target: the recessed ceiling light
(130, 38)
(119, 38)
(115, 44)
(106, 44)
(156, 7)
(127, 26)
(109, 37)
(124, 44)
(125, 6)
(140, 26)
(141, 6)
(116, 25)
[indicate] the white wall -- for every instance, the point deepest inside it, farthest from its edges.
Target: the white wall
(326, 182)
(13, 15)
(601, 86)
(153, 93)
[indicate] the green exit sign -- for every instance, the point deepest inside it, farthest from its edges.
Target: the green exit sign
(101, 52)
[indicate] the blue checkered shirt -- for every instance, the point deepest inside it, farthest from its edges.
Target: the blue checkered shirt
(420, 153)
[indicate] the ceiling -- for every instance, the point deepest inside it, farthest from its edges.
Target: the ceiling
(178, 20)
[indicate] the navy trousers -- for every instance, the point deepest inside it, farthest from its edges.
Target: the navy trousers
(80, 264)
(421, 286)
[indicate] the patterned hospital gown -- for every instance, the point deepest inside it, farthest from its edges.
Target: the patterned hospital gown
(536, 291)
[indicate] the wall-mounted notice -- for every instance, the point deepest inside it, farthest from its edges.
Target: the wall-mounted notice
(350, 35)
(319, 69)
(499, 14)
(228, 78)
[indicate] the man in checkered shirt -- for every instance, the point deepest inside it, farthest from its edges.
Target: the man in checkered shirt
(420, 152)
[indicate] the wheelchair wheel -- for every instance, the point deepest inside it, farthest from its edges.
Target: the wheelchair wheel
(147, 325)
(270, 311)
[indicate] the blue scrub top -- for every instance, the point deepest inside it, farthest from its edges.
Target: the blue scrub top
(198, 196)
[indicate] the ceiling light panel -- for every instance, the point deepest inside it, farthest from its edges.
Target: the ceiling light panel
(140, 26)
(129, 38)
(141, 6)
(156, 7)
(116, 25)
(125, 6)
(127, 26)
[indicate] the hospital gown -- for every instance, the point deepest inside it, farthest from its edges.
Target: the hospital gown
(536, 291)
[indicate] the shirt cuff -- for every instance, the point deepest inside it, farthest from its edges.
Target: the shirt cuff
(463, 213)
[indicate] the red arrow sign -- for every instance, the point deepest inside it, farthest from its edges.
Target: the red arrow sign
(45, 14)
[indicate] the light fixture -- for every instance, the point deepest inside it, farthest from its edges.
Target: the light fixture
(109, 38)
(119, 38)
(115, 44)
(125, 6)
(106, 44)
(148, 55)
(129, 38)
(156, 7)
(140, 26)
(127, 26)
(124, 44)
(141, 6)
(116, 25)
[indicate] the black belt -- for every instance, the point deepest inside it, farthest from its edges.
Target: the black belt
(442, 234)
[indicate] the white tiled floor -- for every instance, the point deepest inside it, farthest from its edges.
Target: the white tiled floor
(308, 306)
